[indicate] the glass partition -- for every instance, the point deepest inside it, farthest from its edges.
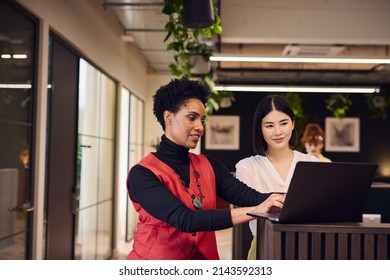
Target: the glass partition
(136, 132)
(96, 147)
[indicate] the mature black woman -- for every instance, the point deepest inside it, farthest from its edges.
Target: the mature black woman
(174, 190)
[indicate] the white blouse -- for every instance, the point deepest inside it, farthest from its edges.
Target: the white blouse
(259, 173)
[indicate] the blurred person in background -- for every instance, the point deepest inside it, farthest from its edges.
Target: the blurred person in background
(313, 139)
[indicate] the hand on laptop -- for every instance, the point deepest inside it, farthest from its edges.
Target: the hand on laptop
(273, 204)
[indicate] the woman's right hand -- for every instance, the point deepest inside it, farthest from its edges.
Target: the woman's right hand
(273, 204)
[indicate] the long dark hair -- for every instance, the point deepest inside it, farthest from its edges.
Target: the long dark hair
(265, 106)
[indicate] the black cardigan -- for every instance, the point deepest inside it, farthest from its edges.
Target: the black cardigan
(159, 202)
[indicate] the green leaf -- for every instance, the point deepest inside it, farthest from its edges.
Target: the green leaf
(170, 26)
(207, 32)
(167, 36)
(217, 29)
(171, 46)
(167, 10)
(211, 102)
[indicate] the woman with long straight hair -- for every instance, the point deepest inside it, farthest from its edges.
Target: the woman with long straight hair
(272, 166)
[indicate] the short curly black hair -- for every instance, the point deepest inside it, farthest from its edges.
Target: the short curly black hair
(172, 96)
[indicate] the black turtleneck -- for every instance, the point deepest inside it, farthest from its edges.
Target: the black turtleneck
(159, 202)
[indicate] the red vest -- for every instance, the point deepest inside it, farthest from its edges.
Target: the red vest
(157, 240)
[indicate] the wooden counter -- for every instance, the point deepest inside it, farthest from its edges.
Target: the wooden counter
(343, 241)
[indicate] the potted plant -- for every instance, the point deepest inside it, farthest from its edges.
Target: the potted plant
(190, 46)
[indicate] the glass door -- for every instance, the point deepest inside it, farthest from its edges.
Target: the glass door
(17, 59)
(96, 149)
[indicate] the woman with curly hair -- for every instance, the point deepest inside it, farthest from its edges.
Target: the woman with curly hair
(174, 191)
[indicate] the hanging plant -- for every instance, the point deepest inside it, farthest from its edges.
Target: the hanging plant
(296, 103)
(189, 44)
(379, 104)
(338, 104)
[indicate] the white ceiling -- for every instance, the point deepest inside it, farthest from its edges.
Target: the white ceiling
(276, 27)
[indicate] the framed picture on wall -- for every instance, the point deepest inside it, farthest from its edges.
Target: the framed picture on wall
(223, 133)
(342, 135)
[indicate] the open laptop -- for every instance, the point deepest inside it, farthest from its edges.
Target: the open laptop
(322, 192)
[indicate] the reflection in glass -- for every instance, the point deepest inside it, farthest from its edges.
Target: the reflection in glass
(105, 170)
(104, 230)
(88, 184)
(85, 241)
(96, 147)
(107, 108)
(136, 126)
(89, 84)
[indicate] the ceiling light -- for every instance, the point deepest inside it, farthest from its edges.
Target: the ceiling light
(5, 56)
(300, 59)
(308, 89)
(19, 56)
(15, 86)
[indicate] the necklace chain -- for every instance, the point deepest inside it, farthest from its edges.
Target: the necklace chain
(196, 199)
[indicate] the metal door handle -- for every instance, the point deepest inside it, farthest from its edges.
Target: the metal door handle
(25, 207)
(75, 203)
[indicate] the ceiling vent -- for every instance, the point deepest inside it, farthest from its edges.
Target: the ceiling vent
(312, 50)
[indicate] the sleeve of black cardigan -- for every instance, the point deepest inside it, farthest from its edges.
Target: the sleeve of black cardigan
(233, 190)
(146, 189)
